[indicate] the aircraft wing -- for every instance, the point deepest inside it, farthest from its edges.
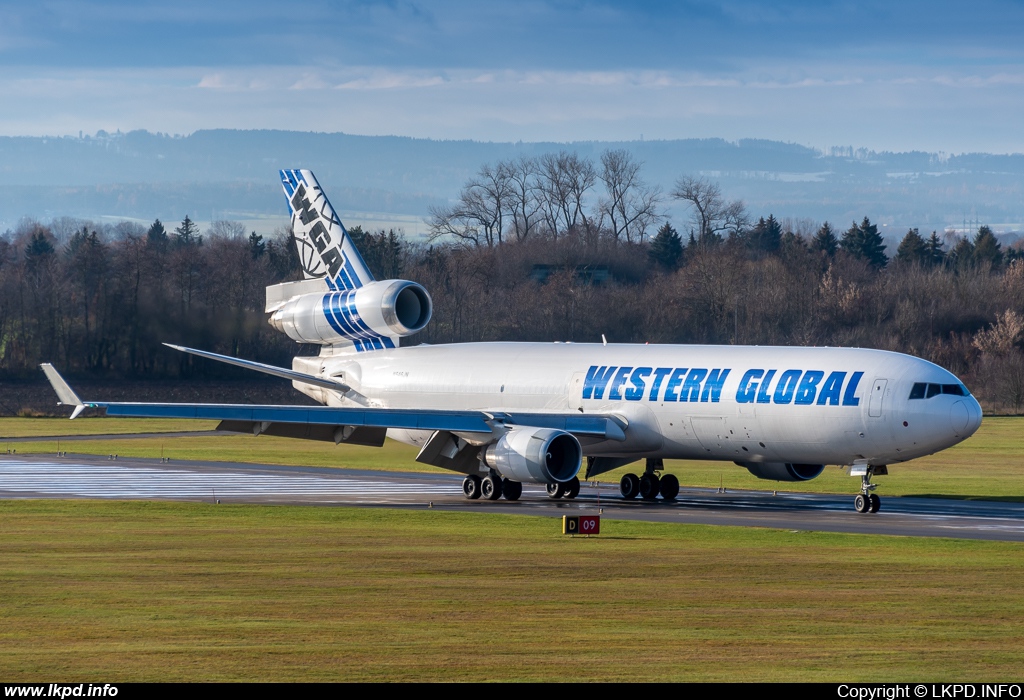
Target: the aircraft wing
(343, 424)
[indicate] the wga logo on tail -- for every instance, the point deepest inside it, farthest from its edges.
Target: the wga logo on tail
(323, 245)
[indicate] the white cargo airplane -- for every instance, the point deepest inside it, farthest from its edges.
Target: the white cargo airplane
(508, 413)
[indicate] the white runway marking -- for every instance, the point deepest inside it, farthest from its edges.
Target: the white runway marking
(109, 481)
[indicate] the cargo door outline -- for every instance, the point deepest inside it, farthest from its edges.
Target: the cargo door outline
(710, 432)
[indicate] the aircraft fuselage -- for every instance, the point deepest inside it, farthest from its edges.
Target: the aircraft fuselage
(738, 403)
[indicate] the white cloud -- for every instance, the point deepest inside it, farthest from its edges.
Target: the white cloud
(391, 80)
(865, 104)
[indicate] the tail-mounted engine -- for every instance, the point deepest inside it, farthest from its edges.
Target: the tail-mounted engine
(783, 471)
(372, 316)
(535, 455)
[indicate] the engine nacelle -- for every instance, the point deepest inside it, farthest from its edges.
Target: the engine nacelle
(391, 308)
(783, 471)
(536, 455)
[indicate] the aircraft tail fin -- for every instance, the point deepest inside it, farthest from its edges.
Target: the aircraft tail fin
(325, 248)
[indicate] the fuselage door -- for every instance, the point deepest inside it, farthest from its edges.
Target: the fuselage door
(877, 394)
(710, 431)
(576, 392)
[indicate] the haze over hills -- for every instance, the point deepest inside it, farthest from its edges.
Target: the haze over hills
(228, 174)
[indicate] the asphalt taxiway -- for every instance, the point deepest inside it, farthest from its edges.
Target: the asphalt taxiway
(84, 476)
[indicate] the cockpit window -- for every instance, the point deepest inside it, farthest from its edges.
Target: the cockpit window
(921, 390)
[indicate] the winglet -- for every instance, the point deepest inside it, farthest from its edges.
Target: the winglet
(64, 392)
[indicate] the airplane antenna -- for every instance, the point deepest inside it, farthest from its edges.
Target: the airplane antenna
(604, 341)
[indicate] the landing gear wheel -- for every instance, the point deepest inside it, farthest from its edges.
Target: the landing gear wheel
(669, 487)
(555, 490)
(471, 487)
(629, 486)
(572, 489)
(511, 490)
(861, 504)
(649, 486)
(867, 501)
(490, 487)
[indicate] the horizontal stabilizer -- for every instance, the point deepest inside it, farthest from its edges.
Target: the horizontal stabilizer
(280, 294)
(267, 369)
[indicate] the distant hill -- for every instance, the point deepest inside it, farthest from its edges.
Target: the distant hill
(233, 174)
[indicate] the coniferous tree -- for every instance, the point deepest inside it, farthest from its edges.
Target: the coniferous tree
(987, 248)
(188, 233)
(825, 240)
(389, 251)
(38, 249)
(156, 236)
(961, 256)
(791, 244)
(936, 255)
(865, 242)
(766, 235)
(256, 246)
(913, 249)
(667, 247)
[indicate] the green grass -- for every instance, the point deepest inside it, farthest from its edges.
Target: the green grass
(988, 465)
(44, 427)
(113, 592)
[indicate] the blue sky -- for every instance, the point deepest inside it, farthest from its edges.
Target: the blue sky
(936, 76)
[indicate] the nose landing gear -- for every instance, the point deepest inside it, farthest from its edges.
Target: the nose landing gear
(867, 501)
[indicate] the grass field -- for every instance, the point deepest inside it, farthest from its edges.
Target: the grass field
(111, 591)
(44, 427)
(988, 465)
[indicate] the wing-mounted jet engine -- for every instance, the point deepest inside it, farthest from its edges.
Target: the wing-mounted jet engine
(339, 302)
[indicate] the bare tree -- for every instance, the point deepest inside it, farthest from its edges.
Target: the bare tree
(711, 214)
(478, 217)
(563, 182)
(631, 205)
(524, 199)
(222, 228)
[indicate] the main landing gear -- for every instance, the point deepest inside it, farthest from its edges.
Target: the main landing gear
(867, 501)
(492, 487)
(650, 485)
(567, 490)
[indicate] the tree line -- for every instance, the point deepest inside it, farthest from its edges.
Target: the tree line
(547, 249)
(104, 300)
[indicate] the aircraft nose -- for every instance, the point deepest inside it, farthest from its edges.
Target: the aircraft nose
(965, 417)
